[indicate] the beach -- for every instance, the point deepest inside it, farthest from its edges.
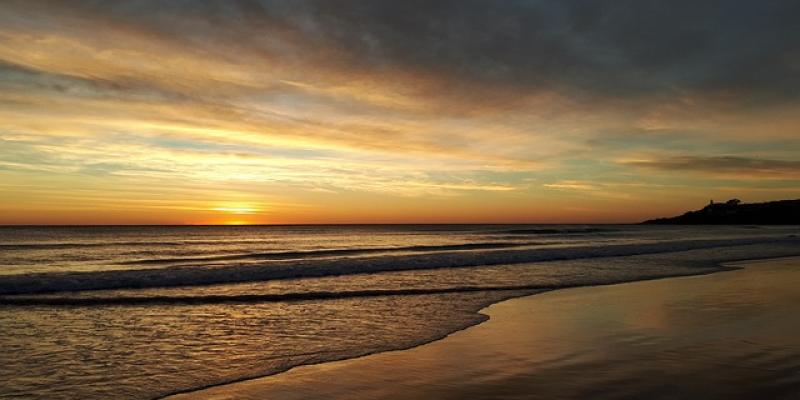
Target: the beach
(731, 334)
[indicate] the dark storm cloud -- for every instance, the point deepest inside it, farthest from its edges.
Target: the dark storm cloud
(616, 49)
(18, 78)
(606, 48)
(725, 165)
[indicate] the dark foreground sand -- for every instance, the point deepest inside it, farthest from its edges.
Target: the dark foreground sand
(728, 335)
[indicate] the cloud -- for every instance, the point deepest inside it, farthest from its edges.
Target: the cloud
(123, 157)
(725, 165)
(437, 50)
(572, 185)
(399, 98)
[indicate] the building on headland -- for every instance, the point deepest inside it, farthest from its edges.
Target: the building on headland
(722, 206)
(733, 211)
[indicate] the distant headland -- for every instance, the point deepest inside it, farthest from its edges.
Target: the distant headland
(733, 212)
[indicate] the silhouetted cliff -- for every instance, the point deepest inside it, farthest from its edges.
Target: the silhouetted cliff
(732, 212)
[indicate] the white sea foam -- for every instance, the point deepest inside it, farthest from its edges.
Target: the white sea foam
(207, 273)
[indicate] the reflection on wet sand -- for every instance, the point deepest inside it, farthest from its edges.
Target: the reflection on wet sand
(727, 335)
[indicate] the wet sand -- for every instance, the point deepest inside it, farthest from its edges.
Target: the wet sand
(728, 335)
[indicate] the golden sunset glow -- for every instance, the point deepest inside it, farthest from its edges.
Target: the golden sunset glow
(237, 222)
(237, 209)
(119, 114)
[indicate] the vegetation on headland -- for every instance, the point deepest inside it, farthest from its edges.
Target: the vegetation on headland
(733, 212)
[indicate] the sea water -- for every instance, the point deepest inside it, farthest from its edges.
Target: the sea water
(142, 312)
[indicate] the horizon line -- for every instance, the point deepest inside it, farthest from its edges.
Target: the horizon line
(325, 224)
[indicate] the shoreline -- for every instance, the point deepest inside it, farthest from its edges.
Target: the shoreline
(482, 318)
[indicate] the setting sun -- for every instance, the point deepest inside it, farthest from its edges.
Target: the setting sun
(238, 210)
(225, 210)
(237, 222)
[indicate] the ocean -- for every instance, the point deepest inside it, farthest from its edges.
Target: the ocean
(141, 312)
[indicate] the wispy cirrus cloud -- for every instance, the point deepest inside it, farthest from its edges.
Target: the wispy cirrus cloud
(725, 165)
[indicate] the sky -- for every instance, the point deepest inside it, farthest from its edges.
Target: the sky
(275, 112)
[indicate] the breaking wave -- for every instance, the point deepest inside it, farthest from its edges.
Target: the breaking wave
(208, 274)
